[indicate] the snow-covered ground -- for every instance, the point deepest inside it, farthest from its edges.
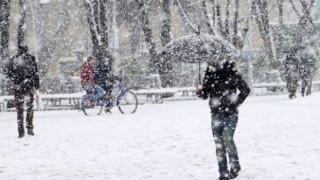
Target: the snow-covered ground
(277, 139)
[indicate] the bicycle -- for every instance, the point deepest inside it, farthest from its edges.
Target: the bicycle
(120, 96)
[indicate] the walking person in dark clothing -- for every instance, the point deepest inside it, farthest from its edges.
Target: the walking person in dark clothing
(22, 70)
(220, 83)
(292, 73)
(306, 71)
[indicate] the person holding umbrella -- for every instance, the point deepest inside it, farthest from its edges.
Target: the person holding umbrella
(221, 83)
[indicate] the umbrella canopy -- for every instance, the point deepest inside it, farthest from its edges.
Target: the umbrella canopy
(198, 48)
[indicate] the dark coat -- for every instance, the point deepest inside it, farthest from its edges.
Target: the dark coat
(221, 86)
(22, 70)
(292, 67)
(307, 67)
(101, 75)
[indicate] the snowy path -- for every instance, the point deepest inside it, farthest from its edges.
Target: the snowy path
(277, 139)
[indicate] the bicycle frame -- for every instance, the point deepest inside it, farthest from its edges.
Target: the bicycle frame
(118, 98)
(117, 92)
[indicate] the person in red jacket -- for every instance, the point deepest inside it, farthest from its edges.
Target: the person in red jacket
(87, 80)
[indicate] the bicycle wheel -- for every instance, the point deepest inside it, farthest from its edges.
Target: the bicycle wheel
(89, 108)
(128, 103)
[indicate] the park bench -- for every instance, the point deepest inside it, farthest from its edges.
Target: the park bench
(50, 102)
(269, 88)
(69, 101)
(72, 101)
(187, 91)
(156, 95)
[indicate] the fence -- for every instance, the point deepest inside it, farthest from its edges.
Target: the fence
(71, 101)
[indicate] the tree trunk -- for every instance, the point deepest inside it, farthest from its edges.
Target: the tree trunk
(4, 29)
(104, 30)
(219, 20)
(281, 25)
(214, 14)
(98, 25)
(236, 40)
(185, 18)
(21, 24)
(93, 26)
(144, 20)
(49, 44)
(166, 23)
(134, 30)
(206, 14)
(165, 68)
(226, 23)
(260, 10)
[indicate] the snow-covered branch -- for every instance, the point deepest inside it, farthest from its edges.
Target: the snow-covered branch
(186, 19)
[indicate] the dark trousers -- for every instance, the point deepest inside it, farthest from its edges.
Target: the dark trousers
(19, 96)
(306, 86)
(223, 128)
(292, 85)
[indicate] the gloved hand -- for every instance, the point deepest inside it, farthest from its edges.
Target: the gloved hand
(199, 88)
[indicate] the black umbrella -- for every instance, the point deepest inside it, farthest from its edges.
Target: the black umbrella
(197, 49)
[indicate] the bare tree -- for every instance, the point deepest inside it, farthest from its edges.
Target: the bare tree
(166, 23)
(131, 15)
(21, 23)
(4, 40)
(208, 20)
(166, 68)
(261, 13)
(4, 28)
(98, 24)
(306, 24)
(144, 20)
(185, 18)
(48, 44)
(279, 34)
(223, 28)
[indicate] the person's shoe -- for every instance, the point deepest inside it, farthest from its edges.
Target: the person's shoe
(107, 109)
(30, 131)
(224, 177)
(292, 96)
(21, 132)
(234, 171)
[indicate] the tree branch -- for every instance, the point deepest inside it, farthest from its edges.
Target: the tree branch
(214, 14)
(236, 42)
(185, 18)
(311, 5)
(166, 23)
(103, 24)
(144, 18)
(226, 23)
(295, 9)
(219, 20)
(206, 14)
